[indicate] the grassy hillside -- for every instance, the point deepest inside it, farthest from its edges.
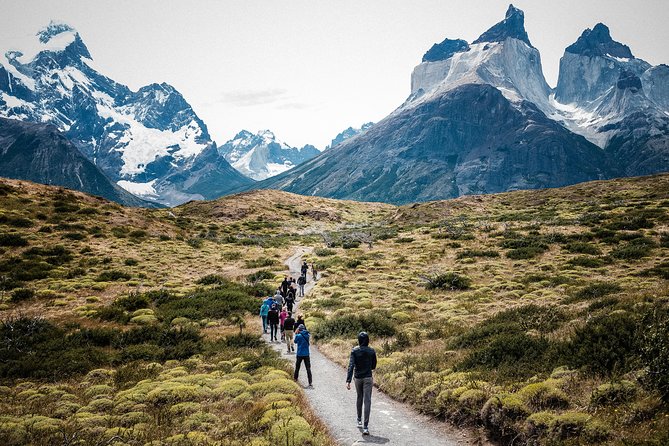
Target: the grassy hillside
(537, 316)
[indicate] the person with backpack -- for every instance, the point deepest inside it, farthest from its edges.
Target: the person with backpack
(288, 331)
(284, 286)
(273, 319)
(290, 300)
(264, 310)
(302, 338)
(360, 365)
(301, 282)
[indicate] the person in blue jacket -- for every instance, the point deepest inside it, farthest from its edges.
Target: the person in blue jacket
(302, 341)
(264, 310)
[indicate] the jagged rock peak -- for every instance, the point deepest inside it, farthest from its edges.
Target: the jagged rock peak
(53, 29)
(445, 49)
(513, 26)
(598, 42)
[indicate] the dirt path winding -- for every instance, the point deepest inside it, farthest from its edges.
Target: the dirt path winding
(391, 422)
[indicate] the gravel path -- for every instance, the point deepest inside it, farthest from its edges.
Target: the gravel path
(391, 422)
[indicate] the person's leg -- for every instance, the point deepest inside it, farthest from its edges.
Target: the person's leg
(298, 363)
(275, 331)
(289, 339)
(264, 324)
(368, 384)
(307, 364)
(359, 393)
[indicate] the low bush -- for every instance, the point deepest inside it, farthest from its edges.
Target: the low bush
(77, 236)
(613, 393)
(526, 252)
(606, 344)
(655, 350)
(469, 253)
(15, 221)
(131, 262)
(211, 279)
(13, 240)
(583, 248)
(220, 302)
(261, 275)
(375, 323)
(587, 262)
(448, 281)
(594, 291)
(635, 249)
(324, 252)
(22, 294)
(113, 275)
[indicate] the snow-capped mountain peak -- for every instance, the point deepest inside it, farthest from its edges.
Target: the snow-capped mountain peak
(261, 155)
(502, 57)
(136, 138)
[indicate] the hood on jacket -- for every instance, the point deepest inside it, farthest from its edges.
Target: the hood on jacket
(363, 339)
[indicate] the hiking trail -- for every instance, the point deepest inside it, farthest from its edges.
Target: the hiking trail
(391, 422)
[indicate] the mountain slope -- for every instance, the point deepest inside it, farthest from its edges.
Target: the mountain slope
(134, 137)
(40, 153)
(262, 156)
(475, 122)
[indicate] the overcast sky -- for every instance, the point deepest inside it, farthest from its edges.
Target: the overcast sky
(307, 69)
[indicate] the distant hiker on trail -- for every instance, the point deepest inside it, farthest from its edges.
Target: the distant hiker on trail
(301, 282)
(264, 309)
(288, 327)
(302, 340)
(282, 317)
(304, 269)
(290, 300)
(362, 362)
(273, 319)
(284, 286)
(314, 272)
(276, 296)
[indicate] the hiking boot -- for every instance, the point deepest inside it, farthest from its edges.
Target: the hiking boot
(365, 431)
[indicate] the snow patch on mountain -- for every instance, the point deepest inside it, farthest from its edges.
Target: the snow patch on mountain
(261, 155)
(144, 190)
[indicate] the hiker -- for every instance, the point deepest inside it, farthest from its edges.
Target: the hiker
(273, 319)
(279, 299)
(277, 295)
(284, 286)
(302, 340)
(269, 301)
(264, 309)
(314, 272)
(282, 317)
(290, 300)
(304, 269)
(301, 282)
(362, 362)
(288, 327)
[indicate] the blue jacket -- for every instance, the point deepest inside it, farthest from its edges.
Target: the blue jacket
(302, 341)
(264, 309)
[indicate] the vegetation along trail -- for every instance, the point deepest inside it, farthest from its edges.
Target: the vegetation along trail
(391, 423)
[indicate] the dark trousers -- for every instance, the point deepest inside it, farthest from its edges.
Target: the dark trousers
(273, 331)
(307, 364)
(363, 387)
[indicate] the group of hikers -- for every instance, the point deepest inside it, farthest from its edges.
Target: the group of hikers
(276, 313)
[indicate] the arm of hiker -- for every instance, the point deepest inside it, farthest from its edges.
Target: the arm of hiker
(374, 361)
(349, 375)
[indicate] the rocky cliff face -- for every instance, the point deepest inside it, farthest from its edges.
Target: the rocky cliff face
(137, 138)
(40, 153)
(478, 120)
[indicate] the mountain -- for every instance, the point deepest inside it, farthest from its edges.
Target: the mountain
(617, 101)
(260, 156)
(40, 153)
(139, 139)
(478, 120)
(349, 133)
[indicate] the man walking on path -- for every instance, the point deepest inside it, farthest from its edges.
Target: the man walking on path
(302, 341)
(301, 282)
(362, 362)
(304, 269)
(288, 327)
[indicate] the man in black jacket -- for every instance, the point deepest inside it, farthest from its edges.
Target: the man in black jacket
(362, 361)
